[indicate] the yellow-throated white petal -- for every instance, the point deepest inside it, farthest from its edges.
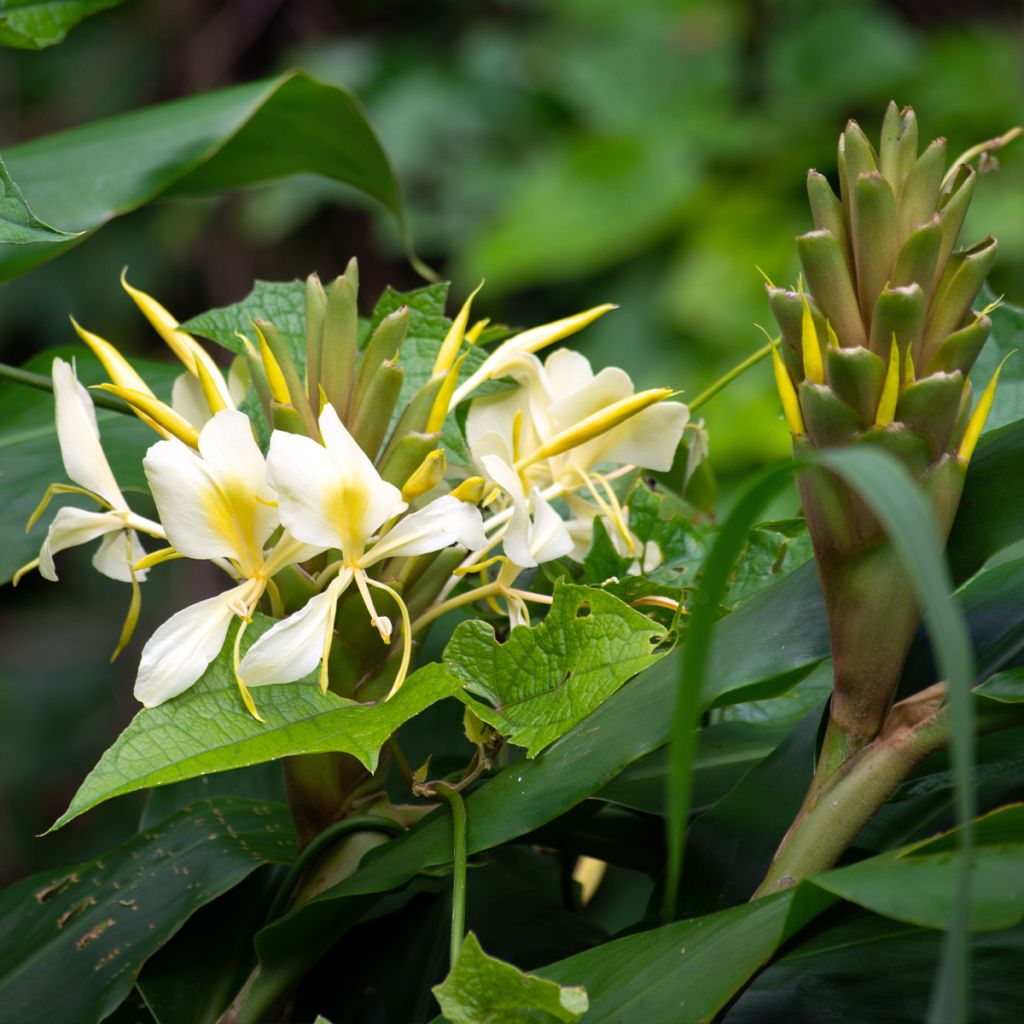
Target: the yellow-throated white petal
(79, 437)
(116, 555)
(292, 648)
(444, 521)
(177, 654)
(330, 495)
(549, 536)
(648, 439)
(71, 527)
(217, 503)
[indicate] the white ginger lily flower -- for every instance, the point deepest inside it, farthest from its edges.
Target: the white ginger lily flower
(215, 505)
(331, 496)
(562, 424)
(85, 463)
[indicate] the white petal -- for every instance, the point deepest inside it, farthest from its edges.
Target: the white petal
(331, 495)
(549, 536)
(116, 555)
(567, 371)
(293, 647)
(609, 386)
(443, 522)
(217, 505)
(188, 400)
(177, 654)
(516, 540)
(79, 437)
(493, 414)
(648, 439)
(71, 527)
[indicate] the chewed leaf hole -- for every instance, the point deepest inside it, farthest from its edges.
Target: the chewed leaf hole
(583, 610)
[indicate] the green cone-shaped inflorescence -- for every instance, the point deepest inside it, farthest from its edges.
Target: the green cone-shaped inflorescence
(877, 344)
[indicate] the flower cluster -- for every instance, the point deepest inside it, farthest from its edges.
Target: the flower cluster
(350, 496)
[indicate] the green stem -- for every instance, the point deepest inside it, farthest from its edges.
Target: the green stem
(477, 594)
(836, 811)
(453, 797)
(41, 382)
(722, 382)
(364, 823)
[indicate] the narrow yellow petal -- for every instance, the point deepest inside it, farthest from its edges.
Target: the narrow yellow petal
(473, 334)
(787, 393)
(120, 371)
(167, 420)
(211, 392)
(156, 558)
(180, 343)
(594, 425)
(453, 339)
(909, 375)
(426, 476)
(278, 387)
(976, 424)
(890, 389)
(443, 399)
(833, 338)
(811, 348)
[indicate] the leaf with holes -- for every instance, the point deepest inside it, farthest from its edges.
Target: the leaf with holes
(76, 938)
(544, 680)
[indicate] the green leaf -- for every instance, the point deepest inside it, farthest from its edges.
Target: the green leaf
(35, 24)
(1007, 336)
(283, 303)
(83, 177)
(1005, 687)
(30, 456)
(483, 990)
(545, 679)
(206, 729)
(81, 934)
(18, 224)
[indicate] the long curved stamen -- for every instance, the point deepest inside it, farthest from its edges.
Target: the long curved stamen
(403, 667)
(336, 589)
(243, 609)
(63, 489)
(34, 564)
(612, 511)
(379, 622)
(131, 620)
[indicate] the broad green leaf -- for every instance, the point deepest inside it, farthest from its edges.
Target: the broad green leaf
(81, 178)
(868, 968)
(35, 24)
(482, 990)
(1005, 687)
(207, 729)
(30, 456)
(77, 937)
(545, 679)
(283, 303)
(17, 221)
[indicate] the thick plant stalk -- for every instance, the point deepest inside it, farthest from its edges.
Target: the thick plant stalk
(877, 345)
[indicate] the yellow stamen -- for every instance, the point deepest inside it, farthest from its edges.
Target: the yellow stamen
(250, 704)
(466, 570)
(453, 339)
(34, 564)
(61, 489)
(381, 623)
(810, 347)
(403, 667)
(594, 425)
(164, 415)
(426, 477)
(131, 620)
(890, 389)
(611, 508)
(976, 423)
(156, 558)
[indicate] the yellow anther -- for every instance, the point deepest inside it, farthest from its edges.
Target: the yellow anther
(976, 424)
(275, 378)
(594, 425)
(470, 490)
(426, 477)
(810, 347)
(166, 419)
(787, 393)
(449, 349)
(890, 389)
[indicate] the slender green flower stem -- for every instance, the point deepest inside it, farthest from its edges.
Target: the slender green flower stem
(41, 382)
(723, 382)
(363, 823)
(458, 807)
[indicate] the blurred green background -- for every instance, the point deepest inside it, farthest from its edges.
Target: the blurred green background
(570, 152)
